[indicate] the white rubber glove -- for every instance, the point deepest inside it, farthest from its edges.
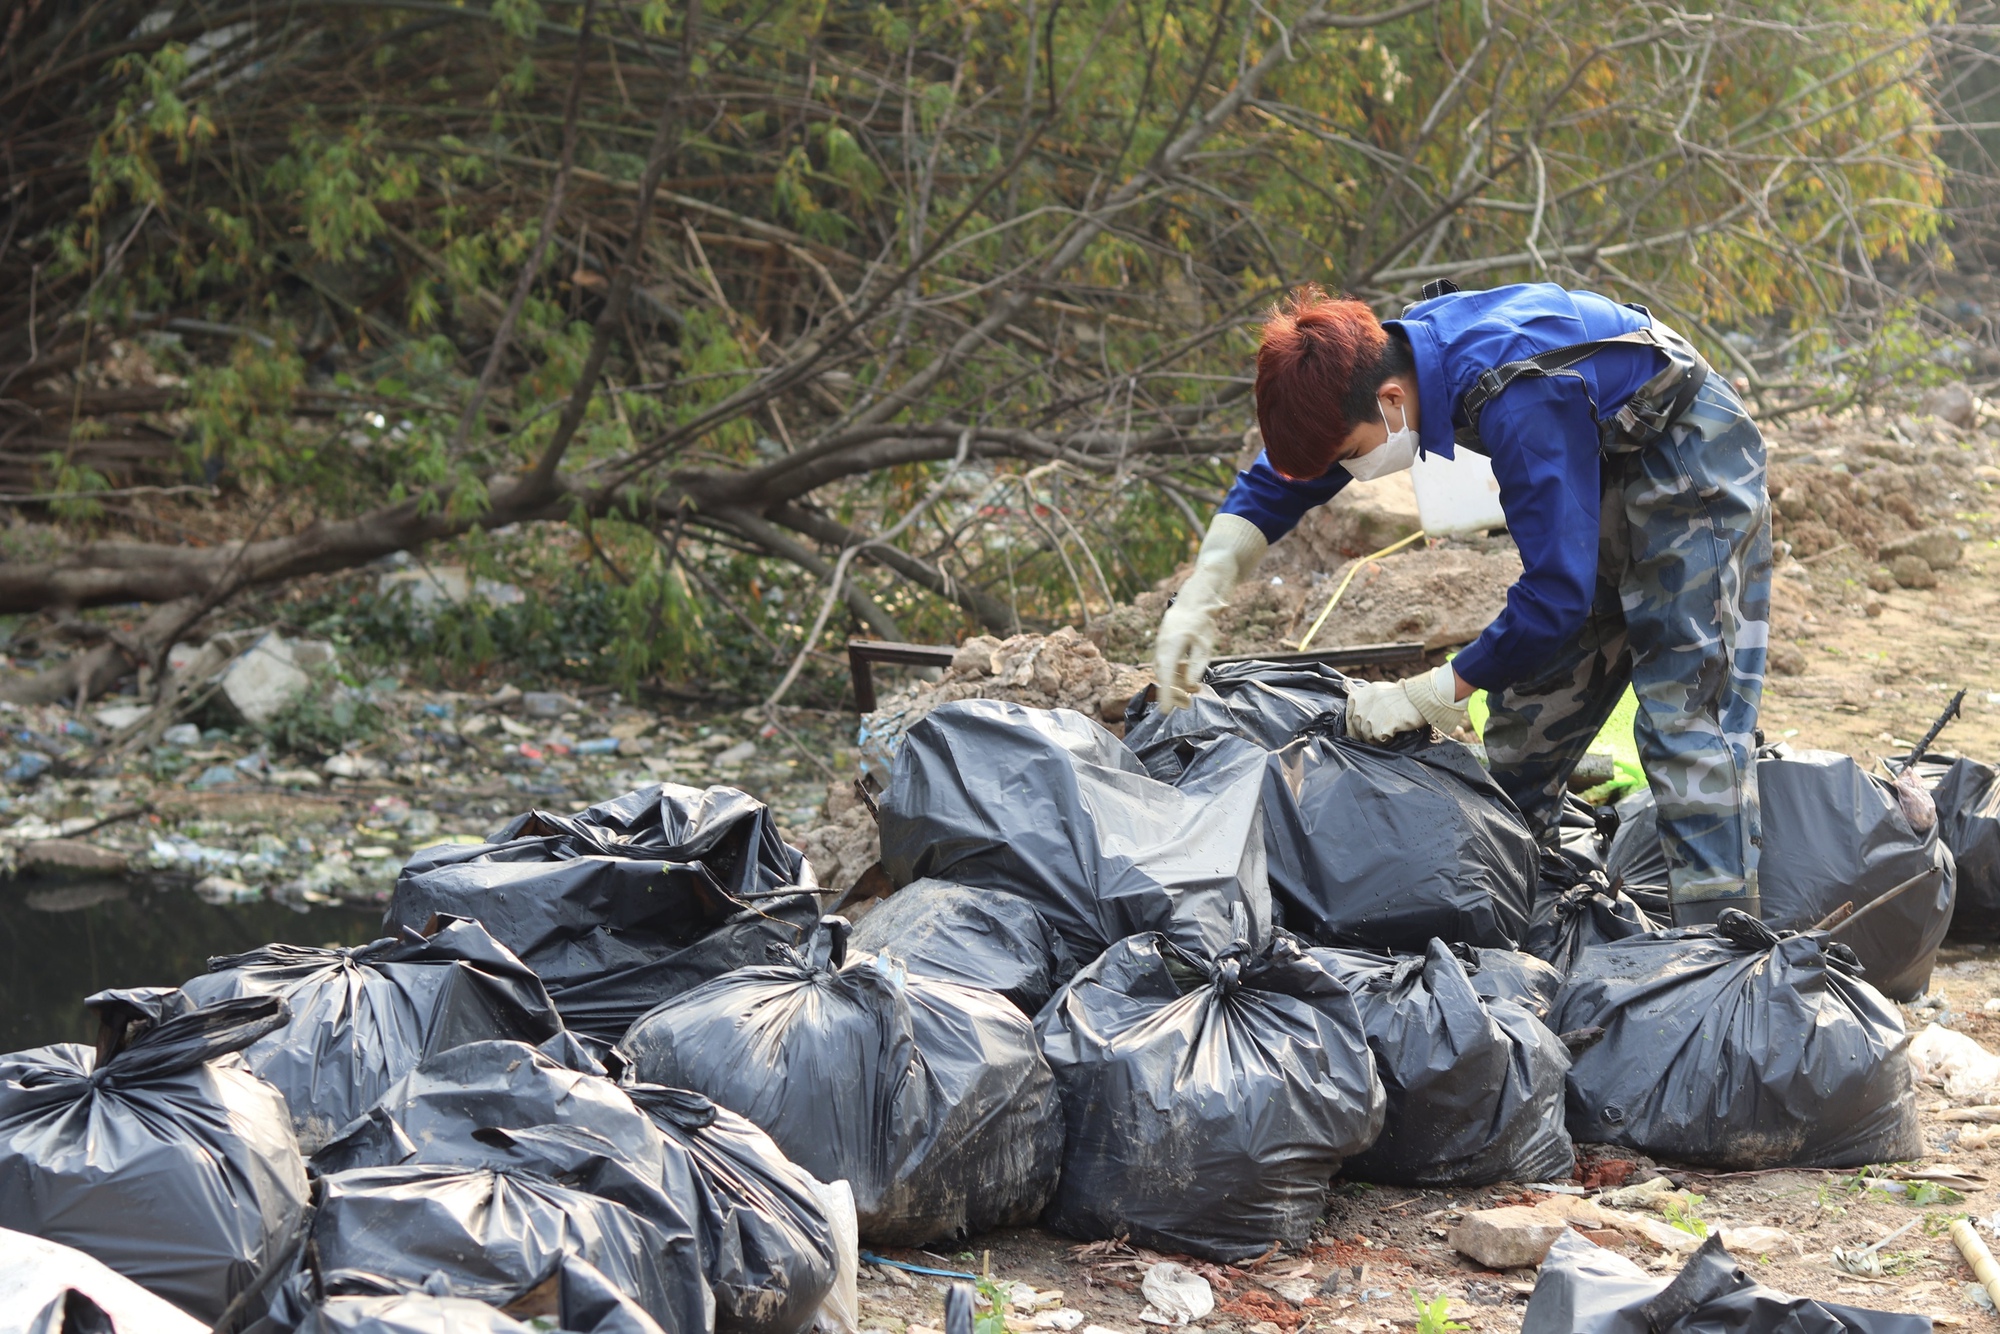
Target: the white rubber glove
(1383, 709)
(1186, 641)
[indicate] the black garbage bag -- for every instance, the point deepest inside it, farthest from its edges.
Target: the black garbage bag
(1968, 807)
(1833, 834)
(1475, 1088)
(1046, 805)
(1733, 1047)
(975, 937)
(627, 903)
(1588, 913)
(1265, 702)
(1209, 1101)
(929, 1098)
(1836, 834)
(1635, 863)
(1511, 975)
(497, 1233)
(362, 1017)
(766, 1242)
(174, 1167)
(1387, 847)
(1584, 1289)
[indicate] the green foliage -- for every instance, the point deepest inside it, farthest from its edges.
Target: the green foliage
(1684, 1212)
(994, 1319)
(359, 210)
(1431, 1315)
(323, 720)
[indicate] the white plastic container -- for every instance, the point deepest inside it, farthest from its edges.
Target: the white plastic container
(1456, 495)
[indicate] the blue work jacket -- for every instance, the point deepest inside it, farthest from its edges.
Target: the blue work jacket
(1541, 435)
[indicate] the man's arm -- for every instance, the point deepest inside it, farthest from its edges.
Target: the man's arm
(1276, 503)
(1544, 446)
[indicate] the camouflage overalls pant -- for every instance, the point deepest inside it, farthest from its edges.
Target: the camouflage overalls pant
(1682, 612)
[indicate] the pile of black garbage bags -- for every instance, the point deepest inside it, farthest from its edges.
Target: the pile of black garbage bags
(622, 1072)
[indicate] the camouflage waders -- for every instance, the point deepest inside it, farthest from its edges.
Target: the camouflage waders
(1682, 612)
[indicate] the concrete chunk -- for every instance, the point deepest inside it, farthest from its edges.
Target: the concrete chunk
(1510, 1237)
(264, 679)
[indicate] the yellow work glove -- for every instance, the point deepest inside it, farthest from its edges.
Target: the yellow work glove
(1186, 641)
(1383, 709)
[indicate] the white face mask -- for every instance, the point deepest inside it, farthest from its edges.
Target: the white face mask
(1396, 453)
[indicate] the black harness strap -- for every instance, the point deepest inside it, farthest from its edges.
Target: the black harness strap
(1647, 416)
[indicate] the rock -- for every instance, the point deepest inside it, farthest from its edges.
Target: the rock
(68, 856)
(976, 657)
(182, 735)
(633, 747)
(263, 680)
(428, 586)
(1506, 1238)
(1913, 571)
(1937, 548)
(1063, 1319)
(1949, 402)
(1787, 660)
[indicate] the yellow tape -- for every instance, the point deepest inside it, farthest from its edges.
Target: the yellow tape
(1393, 547)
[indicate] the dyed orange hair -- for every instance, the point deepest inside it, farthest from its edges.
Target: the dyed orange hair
(1318, 368)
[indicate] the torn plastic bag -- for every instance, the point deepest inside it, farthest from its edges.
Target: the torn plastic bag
(626, 904)
(1209, 1102)
(361, 1018)
(494, 1234)
(1268, 703)
(1511, 975)
(500, 1105)
(767, 1245)
(1588, 913)
(175, 1168)
(1835, 834)
(1047, 805)
(1386, 847)
(1968, 807)
(975, 937)
(928, 1097)
(1733, 1047)
(720, 1193)
(1475, 1088)
(48, 1288)
(1585, 1289)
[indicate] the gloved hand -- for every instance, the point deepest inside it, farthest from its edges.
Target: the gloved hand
(1186, 641)
(1383, 709)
